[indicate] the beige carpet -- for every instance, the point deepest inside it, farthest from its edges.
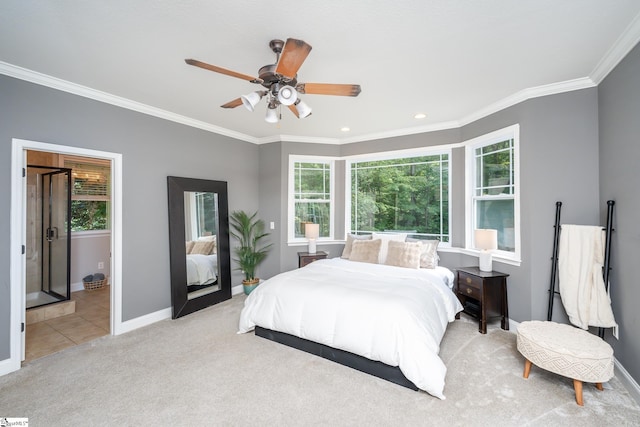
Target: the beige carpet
(197, 371)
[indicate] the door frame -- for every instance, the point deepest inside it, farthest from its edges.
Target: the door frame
(17, 264)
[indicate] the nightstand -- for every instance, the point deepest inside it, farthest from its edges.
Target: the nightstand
(305, 258)
(483, 295)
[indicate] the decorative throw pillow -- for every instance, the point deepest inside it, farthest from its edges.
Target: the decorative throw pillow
(429, 256)
(404, 254)
(385, 238)
(188, 246)
(346, 252)
(365, 251)
(204, 248)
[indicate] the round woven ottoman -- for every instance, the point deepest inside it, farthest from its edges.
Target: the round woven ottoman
(567, 351)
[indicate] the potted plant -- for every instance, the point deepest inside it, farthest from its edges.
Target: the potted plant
(249, 231)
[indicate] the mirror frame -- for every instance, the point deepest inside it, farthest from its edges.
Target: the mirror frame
(180, 303)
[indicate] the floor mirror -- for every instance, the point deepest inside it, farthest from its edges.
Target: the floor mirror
(198, 243)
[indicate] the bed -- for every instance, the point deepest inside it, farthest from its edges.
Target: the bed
(388, 319)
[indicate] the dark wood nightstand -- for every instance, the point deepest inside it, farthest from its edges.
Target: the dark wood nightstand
(483, 295)
(305, 258)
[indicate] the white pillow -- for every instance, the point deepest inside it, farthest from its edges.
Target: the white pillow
(346, 252)
(365, 251)
(404, 254)
(429, 257)
(384, 247)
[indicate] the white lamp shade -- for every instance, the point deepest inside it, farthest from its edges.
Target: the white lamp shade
(311, 231)
(272, 116)
(251, 100)
(287, 95)
(486, 239)
(303, 109)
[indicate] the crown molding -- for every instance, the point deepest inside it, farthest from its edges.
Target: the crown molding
(526, 94)
(622, 46)
(298, 138)
(97, 95)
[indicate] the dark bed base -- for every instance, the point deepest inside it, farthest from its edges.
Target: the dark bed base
(371, 367)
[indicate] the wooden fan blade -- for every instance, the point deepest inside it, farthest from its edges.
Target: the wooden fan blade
(221, 70)
(328, 89)
(294, 110)
(293, 55)
(233, 104)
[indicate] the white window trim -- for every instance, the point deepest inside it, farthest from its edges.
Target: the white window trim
(390, 155)
(292, 240)
(510, 132)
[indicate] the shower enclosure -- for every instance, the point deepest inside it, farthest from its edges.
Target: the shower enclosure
(48, 247)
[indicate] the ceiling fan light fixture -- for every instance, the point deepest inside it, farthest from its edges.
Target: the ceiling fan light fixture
(303, 109)
(272, 114)
(287, 95)
(251, 100)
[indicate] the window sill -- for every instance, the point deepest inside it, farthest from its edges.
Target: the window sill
(318, 242)
(475, 253)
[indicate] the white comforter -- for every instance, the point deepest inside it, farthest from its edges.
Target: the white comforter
(394, 315)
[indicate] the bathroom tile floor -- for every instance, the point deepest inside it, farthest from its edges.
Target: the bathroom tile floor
(90, 321)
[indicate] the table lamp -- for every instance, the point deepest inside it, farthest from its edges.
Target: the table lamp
(486, 240)
(311, 232)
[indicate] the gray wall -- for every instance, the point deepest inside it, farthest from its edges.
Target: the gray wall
(619, 109)
(86, 253)
(151, 149)
(558, 162)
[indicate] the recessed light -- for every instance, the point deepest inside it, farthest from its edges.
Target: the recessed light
(420, 116)
(345, 129)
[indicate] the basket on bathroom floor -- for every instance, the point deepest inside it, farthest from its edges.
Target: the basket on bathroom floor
(96, 284)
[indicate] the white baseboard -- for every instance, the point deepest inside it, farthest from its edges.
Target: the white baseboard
(7, 366)
(163, 314)
(142, 321)
(627, 381)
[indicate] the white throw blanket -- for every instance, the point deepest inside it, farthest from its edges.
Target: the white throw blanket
(580, 259)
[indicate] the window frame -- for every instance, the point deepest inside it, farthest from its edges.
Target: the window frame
(293, 159)
(394, 155)
(510, 132)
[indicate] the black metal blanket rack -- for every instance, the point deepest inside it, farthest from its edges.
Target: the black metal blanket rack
(554, 259)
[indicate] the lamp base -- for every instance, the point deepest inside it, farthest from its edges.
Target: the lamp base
(485, 261)
(312, 246)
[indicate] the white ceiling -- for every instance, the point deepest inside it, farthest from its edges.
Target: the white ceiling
(453, 60)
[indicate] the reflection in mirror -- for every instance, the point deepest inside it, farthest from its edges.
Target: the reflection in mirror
(201, 230)
(198, 243)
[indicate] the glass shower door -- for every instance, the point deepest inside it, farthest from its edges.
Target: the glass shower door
(48, 244)
(56, 233)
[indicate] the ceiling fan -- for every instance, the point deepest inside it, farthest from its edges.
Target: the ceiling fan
(281, 81)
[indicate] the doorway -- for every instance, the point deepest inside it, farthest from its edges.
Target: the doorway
(18, 240)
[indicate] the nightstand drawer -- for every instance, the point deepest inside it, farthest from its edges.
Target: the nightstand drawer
(469, 285)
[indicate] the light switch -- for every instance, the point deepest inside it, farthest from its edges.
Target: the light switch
(272, 225)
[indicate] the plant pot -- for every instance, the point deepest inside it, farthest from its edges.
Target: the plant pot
(250, 285)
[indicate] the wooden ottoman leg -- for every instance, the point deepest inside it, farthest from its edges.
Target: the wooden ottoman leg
(599, 386)
(577, 386)
(527, 368)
